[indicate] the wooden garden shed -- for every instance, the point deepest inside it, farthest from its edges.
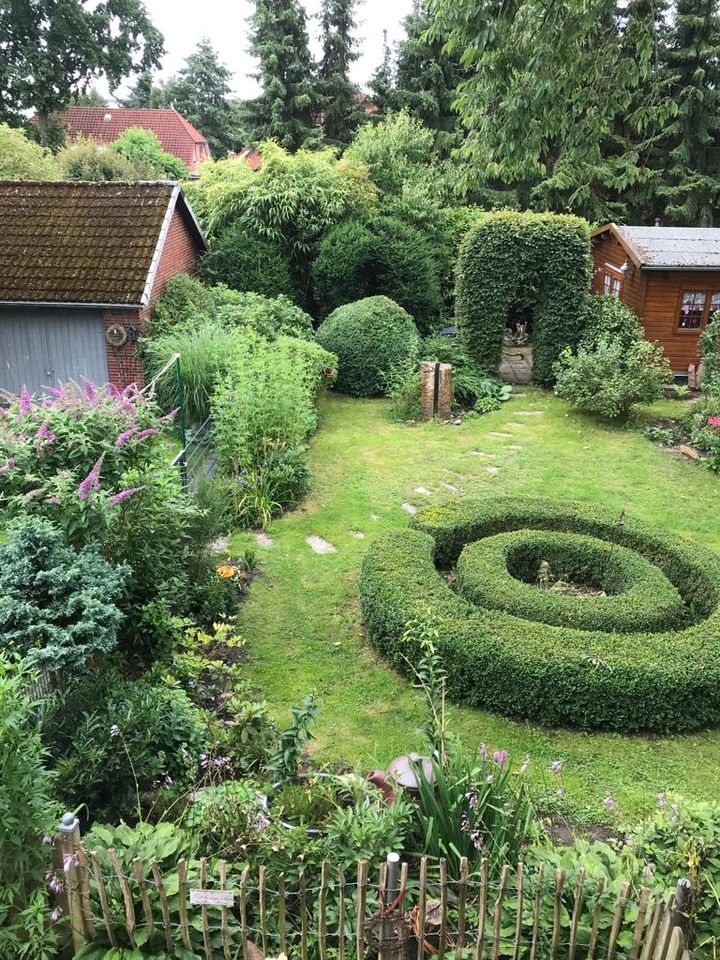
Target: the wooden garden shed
(670, 277)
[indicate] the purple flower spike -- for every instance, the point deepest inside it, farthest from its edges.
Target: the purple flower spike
(25, 401)
(500, 758)
(90, 391)
(9, 464)
(123, 438)
(113, 392)
(150, 432)
(55, 915)
(124, 495)
(55, 500)
(91, 481)
(45, 433)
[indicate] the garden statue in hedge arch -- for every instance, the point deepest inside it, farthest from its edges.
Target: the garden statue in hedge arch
(534, 265)
(640, 652)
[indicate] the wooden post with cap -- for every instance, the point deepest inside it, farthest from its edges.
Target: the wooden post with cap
(69, 842)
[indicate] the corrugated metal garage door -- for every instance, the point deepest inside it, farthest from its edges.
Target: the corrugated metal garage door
(41, 347)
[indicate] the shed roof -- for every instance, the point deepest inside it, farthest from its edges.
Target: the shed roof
(105, 124)
(669, 248)
(85, 243)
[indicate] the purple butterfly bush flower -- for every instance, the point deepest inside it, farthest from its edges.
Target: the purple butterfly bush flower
(25, 401)
(91, 481)
(500, 758)
(113, 392)
(149, 432)
(55, 915)
(45, 434)
(123, 495)
(123, 437)
(90, 392)
(55, 500)
(9, 464)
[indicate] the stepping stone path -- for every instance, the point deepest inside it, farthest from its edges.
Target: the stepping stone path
(319, 545)
(450, 487)
(492, 469)
(263, 540)
(220, 545)
(409, 508)
(518, 425)
(422, 490)
(529, 413)
(358, 534)
(514, 446)
(496, 434)
(374, 516)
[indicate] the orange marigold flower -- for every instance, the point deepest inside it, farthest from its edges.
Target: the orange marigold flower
(226, 571)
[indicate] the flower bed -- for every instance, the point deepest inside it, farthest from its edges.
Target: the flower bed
(502, 653)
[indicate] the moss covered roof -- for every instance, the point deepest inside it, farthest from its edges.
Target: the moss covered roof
(66, 242)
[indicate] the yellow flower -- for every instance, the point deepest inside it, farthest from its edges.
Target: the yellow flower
(226, 571)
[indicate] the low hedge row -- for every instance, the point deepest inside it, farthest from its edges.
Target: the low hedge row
(556, 675)
(500, 573)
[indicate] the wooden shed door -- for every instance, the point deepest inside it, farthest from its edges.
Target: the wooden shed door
(43, 347)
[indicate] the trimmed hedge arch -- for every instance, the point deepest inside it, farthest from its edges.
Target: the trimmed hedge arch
(539, 261)
(654, 679)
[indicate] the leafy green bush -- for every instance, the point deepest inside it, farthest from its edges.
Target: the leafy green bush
(380, 255)
(610, 377)
(113, 740)
(89, 160)
(58, 605)
(609, 318)
(143, 147)
(28, 812)
(22, 158)
(710, 354)
(557, 675)
(369, 338)
(184, 299)
(403, 389)
(532, 262)
(271, 317)
(246, 261)
(683, 840)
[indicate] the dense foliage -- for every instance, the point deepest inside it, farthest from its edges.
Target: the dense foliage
(28, 812)
(558, 675)
(23, 159)
(339, 96)
(523, 267)
(88, 160)
(614, 367)
(369, 337)
(58, 606)
(379, 255)
(142, 147)
(244, 261)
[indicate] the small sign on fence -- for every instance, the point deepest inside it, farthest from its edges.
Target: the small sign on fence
(212, 898)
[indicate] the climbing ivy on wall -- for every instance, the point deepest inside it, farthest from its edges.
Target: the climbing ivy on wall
(537, 264)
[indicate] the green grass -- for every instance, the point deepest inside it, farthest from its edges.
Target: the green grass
(302, 619)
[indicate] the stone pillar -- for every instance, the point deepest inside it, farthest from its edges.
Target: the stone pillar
(436, 390)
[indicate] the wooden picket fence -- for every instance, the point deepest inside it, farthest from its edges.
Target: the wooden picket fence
(393, 911)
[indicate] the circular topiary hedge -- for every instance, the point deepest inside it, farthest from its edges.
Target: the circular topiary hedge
(370, 337)
(644, 658)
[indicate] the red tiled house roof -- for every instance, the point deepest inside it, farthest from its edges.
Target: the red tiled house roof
(105, 124)
(86, 243)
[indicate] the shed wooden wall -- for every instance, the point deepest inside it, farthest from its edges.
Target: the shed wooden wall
(655, 296)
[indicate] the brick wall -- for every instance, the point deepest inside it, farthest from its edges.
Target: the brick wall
(179, 255)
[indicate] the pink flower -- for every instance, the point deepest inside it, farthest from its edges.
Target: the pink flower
(55, 915)
(714, 422)
(123, 495)
(112, 391)
(123, 437)
(150, 432)
(25, 401)
(90, 392)
(45, 433)
(55, 500)
(91, 481)
(500, 758)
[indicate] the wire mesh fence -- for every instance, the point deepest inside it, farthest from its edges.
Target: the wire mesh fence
(391, 910)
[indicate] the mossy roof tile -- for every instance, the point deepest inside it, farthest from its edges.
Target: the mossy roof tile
(66, 242)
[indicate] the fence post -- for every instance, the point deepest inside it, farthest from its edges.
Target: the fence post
(680, 914)
(182, 419)
(69, 832)
(390, 895)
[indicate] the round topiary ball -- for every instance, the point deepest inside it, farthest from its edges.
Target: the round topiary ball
(370, 338)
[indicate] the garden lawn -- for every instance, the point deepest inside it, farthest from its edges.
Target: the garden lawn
(302, 618)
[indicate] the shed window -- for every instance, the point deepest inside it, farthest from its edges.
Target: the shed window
(714, 304)
(692, 309)
(611, 285)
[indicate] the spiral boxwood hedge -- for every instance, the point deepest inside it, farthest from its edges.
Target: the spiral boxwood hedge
(499, 573)
(517, 262)
(662, 677)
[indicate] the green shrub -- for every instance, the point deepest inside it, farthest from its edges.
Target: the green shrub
(610, 377)
(682, 840)
(28, 812)
(523, 263)
(369, 338)
(271, 317)
(58, 605)
(501, 573)
(246, 261)
(710, 353)
(113, 740)
(557, 675)
(22, 158)
(89, 160)
(184, 298)
(380, 255)
(609, 318)
(143, 147)
(404, 391)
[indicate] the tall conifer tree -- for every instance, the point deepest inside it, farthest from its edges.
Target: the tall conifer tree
(339, 95)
